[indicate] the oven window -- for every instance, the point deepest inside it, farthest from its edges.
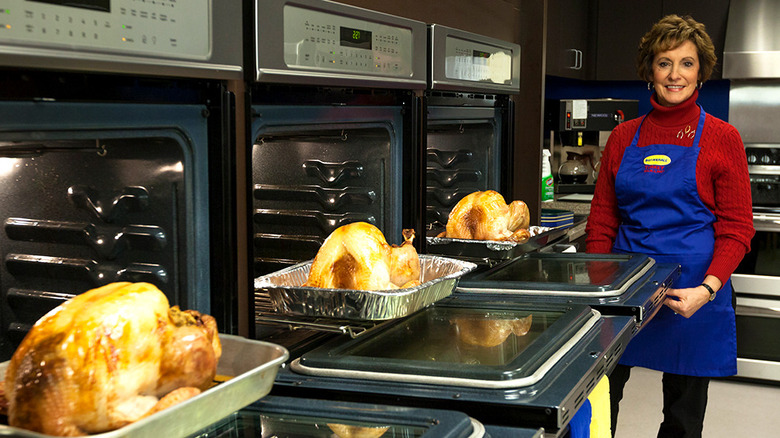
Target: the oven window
(764, 256)
(755, 339)
(461, 336)
(251, 421)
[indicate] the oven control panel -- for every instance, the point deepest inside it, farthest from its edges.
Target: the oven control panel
(179, 29)
(316, 40)
(471, 61)
(763, 155)
(764, 168)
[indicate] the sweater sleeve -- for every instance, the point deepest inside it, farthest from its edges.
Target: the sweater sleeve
(725, 170)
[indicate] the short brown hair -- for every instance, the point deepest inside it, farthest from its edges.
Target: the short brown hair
(667, 34)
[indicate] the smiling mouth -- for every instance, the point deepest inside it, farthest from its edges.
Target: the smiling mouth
(675, 87)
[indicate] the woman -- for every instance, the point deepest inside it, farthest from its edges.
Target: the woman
(674, 185)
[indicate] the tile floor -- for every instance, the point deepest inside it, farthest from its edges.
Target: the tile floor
(735, 409)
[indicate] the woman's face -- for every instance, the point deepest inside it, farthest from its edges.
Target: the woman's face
(676, 73)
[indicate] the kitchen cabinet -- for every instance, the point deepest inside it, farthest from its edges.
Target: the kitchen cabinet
(620, 25)
(714, 14)
(569, 46)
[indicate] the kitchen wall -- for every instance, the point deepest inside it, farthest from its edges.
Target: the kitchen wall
(713, 96)
(517, 21)
(525, 22)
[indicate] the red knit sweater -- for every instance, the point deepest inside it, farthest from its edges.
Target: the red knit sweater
(721, 177)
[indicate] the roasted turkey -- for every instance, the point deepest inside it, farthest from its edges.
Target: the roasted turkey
(107, 358)
(357, 256)
(486, 216)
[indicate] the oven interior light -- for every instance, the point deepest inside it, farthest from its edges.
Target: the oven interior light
(174, 168)
(7, 165)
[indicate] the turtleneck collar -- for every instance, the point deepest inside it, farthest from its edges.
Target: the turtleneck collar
(677, 115)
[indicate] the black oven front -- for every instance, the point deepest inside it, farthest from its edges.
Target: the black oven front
(469, 113)
(757, 279)
(334, 133)
(104, 190)
(116, 153)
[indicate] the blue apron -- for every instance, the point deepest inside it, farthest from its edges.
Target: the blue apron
(663, 216)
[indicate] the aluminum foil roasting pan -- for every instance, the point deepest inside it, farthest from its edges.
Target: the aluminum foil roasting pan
(439, 276)
(485, 251)
(250, 368)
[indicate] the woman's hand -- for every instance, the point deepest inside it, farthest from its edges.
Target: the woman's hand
(687, 301)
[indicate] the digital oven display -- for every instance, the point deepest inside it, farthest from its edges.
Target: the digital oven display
(95, 5)
(481, 54)
(357, 38)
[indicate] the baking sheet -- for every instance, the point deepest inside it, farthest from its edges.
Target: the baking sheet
(492, 250)
(253, 366)
(439, 276)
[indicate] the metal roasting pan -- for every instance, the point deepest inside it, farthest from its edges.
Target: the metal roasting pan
(439, 277)
(252, 366)
(493, 250)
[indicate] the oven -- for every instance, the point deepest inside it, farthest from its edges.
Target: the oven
(469, 127)
(335, 139)
(334, 132)
(469, 133)
(116, 132)
(506, 363)
(757, 279)
(752, 109)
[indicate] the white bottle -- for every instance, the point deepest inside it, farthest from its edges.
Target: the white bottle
(548, 189)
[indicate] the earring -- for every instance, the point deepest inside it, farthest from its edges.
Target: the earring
(700, 85)
(649, 85)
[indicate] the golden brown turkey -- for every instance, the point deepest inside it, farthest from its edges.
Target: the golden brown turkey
(357, 256)
(486, 216)
(108, 357)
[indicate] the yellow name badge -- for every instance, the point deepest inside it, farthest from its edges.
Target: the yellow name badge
(657, 160)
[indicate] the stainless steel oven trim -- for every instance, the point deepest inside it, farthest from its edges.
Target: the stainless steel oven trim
(438, 48)
(758, 307)
(270, 67)
(224, 60)
(763, 170)
(758, 369)
(766, 222)
(756, 284)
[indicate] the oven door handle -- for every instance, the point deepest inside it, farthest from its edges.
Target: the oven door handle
(766, 222)
(757, 308)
